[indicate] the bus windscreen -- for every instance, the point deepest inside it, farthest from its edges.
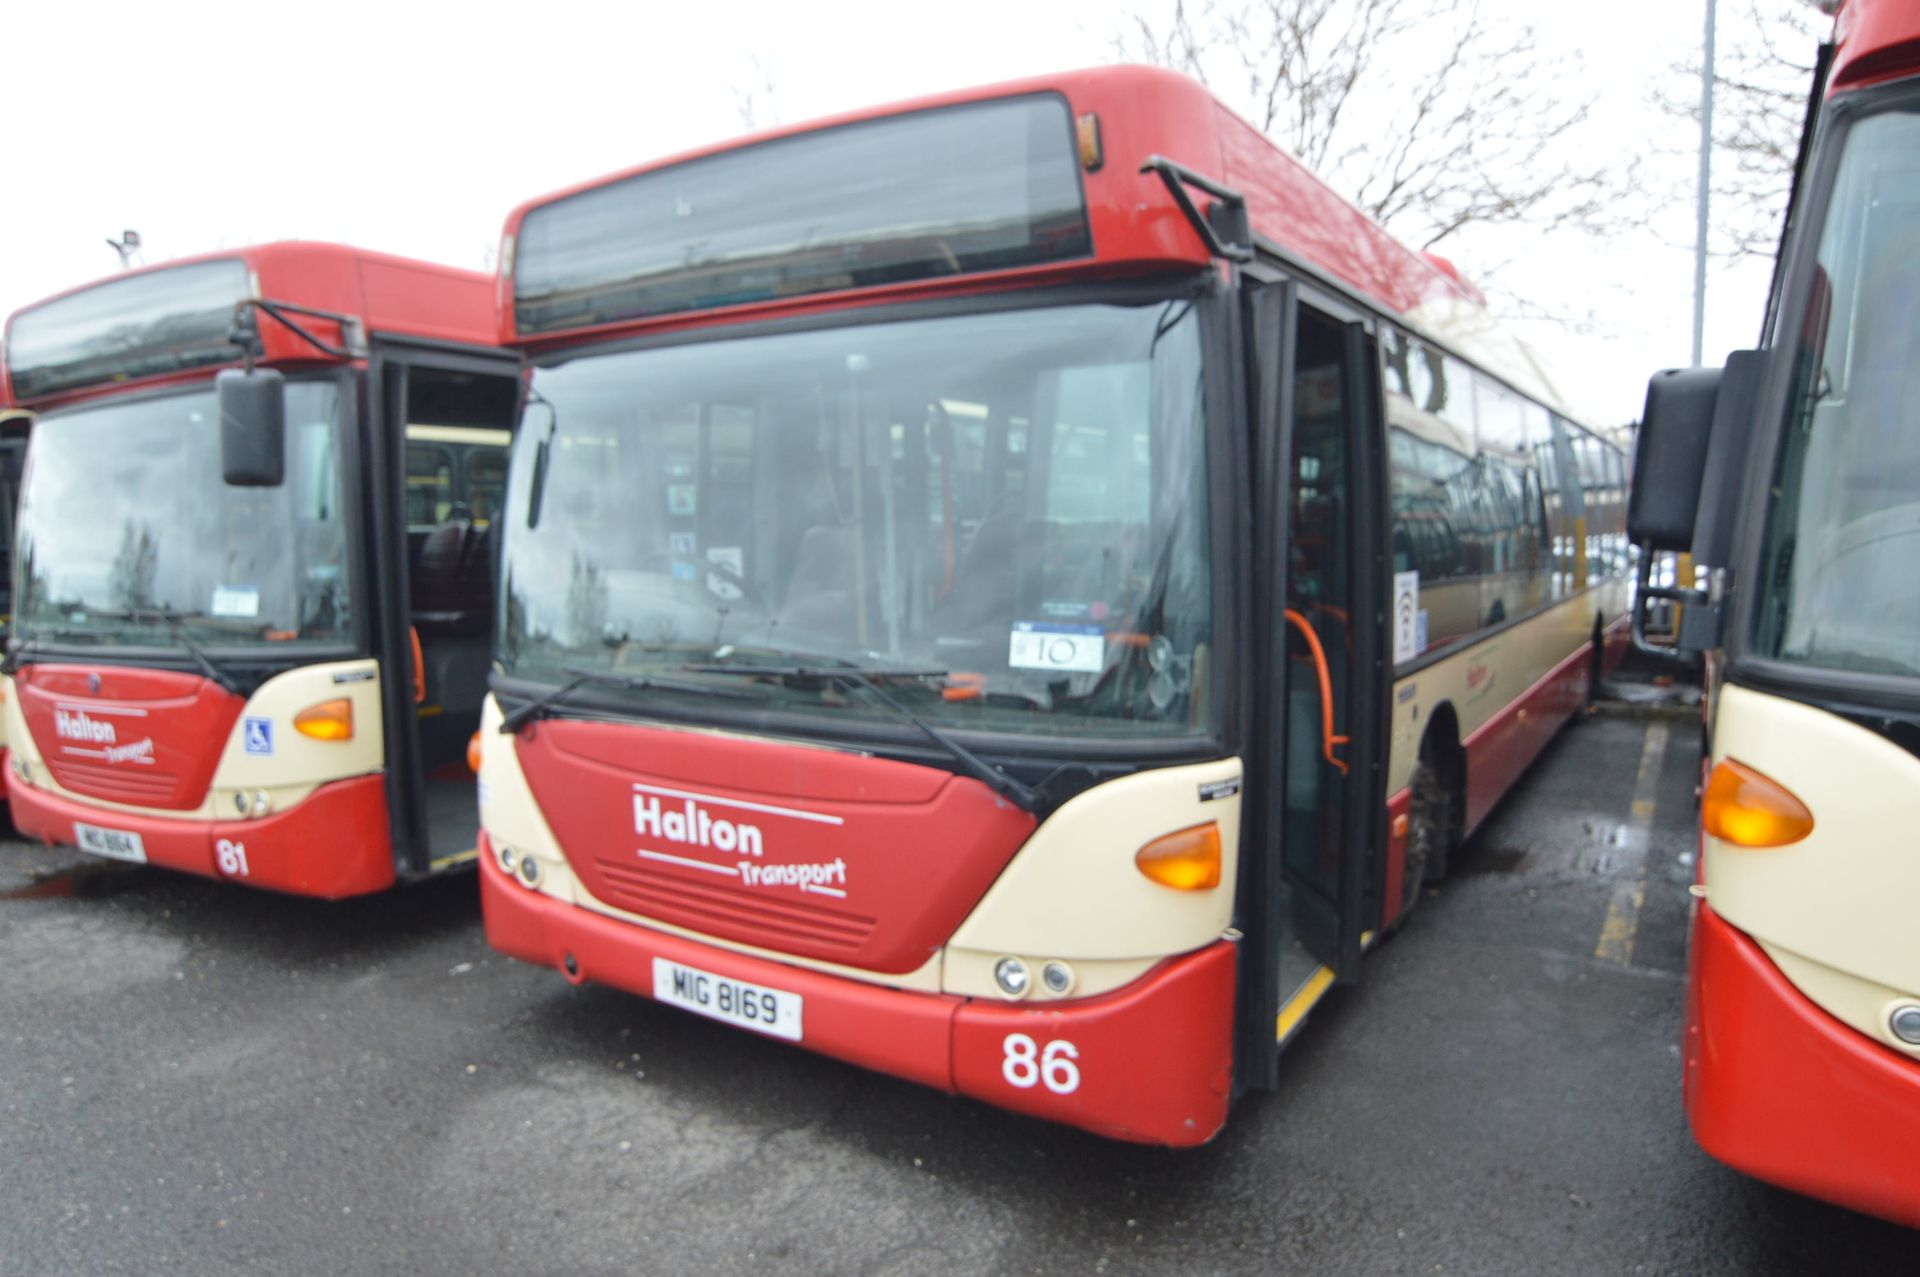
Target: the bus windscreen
(953, 190)
(142, 326)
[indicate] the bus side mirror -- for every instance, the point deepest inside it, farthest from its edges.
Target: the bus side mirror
(1688, 464)
(253, 427)
(1670, 457)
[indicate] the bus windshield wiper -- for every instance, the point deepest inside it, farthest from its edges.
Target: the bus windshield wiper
(541, 706)
(176, 626)
(862, 678)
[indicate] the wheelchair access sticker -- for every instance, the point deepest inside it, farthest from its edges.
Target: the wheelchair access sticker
(259, 735)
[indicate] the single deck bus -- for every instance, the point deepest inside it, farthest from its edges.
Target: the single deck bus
(1794, 477)
(254, 563)
(1015, 590)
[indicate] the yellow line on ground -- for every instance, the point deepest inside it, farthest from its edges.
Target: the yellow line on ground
(1630, 890)
(1302, 1002)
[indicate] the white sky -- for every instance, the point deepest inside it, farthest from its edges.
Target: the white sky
(414, 127)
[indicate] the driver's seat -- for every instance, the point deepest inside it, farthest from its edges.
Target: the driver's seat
(821, 593)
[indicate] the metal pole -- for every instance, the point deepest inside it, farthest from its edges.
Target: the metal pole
(1706, 175)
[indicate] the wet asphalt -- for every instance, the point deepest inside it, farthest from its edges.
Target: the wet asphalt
(195, 1078)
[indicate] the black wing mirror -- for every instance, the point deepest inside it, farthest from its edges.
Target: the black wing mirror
(253, 427)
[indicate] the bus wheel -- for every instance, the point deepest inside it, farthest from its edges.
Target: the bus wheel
(1430, 832)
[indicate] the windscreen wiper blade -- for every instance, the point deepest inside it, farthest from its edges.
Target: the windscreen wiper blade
(1020, 795)
(175, 623)
(543, 705)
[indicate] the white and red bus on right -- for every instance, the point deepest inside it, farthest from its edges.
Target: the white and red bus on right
(1794, 477)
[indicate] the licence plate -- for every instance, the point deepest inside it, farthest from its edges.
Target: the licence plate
(735, 1001)
(116, 844)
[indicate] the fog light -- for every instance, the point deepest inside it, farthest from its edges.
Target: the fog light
(1011, 975)
(530, 871)
(22, 770)
(1057, 976)
(260, 802)
(240, 801)
(505, 854)
(1905, 1022)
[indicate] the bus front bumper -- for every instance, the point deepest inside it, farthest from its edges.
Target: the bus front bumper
(1151, 1063)
(334, 844)
(1779, 1089)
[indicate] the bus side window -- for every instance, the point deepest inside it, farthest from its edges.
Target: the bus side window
(429, 484)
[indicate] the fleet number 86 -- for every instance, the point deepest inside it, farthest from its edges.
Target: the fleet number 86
(1027, 1062)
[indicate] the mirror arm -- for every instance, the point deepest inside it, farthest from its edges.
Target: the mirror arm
(1688, 641)
(244, 331)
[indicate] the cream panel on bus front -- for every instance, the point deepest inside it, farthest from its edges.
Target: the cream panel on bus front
(1834, 910)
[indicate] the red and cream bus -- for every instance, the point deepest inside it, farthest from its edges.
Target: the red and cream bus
(1802, 1047)
(238, 648)
(990, 584)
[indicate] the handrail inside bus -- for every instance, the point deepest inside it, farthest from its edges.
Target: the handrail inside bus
(1328, 738)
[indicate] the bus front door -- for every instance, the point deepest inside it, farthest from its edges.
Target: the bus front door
(1314, 781)
(446, 422)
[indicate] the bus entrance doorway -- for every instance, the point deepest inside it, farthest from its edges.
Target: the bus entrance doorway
(1315, 793)
(458, 417)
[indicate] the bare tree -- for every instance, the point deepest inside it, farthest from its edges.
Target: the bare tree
(1763, 70)
(1426, 113)
(755, 101)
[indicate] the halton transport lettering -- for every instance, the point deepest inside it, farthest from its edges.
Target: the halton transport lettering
(694, 826)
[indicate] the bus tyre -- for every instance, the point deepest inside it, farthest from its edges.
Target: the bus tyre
(1430, 832)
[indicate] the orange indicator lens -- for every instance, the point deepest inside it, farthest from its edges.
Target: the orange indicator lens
(1749, 809)
(1186, 861)
(1088, 129)
(329, 720)
(473, 753)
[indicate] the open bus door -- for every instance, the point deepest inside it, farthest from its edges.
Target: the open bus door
(438, 437)
(1315, 802)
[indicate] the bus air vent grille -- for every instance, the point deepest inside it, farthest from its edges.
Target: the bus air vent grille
(726, 911)
(145, 785)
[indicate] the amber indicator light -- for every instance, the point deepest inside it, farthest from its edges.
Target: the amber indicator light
(1188, 860)
(329, 720)
(1751, 809)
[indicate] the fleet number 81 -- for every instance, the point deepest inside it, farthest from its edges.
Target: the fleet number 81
(232, 857)
(1027, 1062)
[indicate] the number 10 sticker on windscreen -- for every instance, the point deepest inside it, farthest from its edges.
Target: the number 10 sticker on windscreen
(1049, 645)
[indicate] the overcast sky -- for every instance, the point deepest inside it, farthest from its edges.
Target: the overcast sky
(414, 127)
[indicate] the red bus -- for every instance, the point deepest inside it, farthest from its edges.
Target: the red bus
(250, 639)
(1015, 590)
(1794, 477)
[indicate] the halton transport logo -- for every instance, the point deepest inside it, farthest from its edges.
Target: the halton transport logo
(75, 725)
(78, 725)
(709, 823)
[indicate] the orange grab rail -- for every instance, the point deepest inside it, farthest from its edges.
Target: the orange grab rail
(419, 667)
(1328, 738)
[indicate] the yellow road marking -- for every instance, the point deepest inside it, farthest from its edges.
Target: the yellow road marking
(1302, 1002)
(1622, 923)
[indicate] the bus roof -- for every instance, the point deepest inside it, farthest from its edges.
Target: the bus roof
(47, 361)
(1874, 40)
(1136, 227)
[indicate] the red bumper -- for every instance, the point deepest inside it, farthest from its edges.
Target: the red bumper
(337, 843)
(1151, 1063)
(1779, 1089)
